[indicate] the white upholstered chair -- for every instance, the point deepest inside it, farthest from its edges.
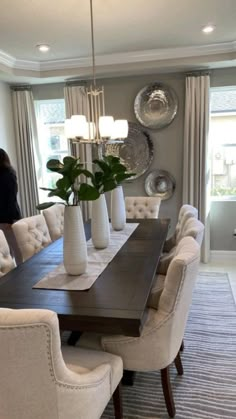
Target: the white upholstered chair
(32, 235)
(39, 381)
(191, 228)
(6, 261)
(185, 212)
(162, 334)
(54, 217)
(142, 206)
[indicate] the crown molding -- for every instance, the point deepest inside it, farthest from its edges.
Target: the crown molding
(7, 60)
(119, 58)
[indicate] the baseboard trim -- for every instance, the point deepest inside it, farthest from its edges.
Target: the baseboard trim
(222, 254)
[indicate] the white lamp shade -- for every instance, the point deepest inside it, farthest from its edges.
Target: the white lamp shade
(90, 131)
(79, 125)
(68, 129)
(120, 129)
(106, 126)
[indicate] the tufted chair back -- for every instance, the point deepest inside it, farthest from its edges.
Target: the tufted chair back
(142, 206)
(6, 261)
(185, 212)
(190, 227)
(31, 234)
(193, 228)
(54, 217)
(39, 382)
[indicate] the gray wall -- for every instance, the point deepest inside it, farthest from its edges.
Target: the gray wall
(168, 142)
(7, 136)
(223, 223)
(48, 91)
(223, 213)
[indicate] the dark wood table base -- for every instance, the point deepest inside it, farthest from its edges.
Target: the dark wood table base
(128, 378)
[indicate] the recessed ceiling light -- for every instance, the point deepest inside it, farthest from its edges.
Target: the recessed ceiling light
(208, 28)
(43, 47)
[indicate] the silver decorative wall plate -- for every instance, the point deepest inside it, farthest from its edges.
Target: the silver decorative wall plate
(156, 105)
(136, 153)
(160, 183)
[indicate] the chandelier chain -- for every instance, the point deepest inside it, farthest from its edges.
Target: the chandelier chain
(92, 39)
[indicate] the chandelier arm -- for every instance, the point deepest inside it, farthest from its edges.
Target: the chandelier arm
(92, 39)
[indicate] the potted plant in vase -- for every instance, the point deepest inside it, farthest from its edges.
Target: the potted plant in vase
(109, 177)
(71, 191)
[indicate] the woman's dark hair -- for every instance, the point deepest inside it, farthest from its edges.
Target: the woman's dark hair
(4, 159)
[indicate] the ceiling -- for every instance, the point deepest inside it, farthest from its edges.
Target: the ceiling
(132, 37)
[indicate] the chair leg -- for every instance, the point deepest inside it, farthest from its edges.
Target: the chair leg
(167, 391)
(178, 364)
(117, 402)
(182, 346)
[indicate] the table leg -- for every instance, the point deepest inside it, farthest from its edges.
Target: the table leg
(128, 378)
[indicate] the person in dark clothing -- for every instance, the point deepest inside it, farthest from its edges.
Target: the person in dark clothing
(9, 208)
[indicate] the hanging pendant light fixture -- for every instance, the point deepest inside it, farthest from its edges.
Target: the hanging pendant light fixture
(95, 127)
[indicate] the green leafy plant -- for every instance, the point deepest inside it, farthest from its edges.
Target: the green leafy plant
(223, 191)
(110, 175)
(68, 188)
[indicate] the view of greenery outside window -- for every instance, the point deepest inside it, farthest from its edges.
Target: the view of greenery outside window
(52, 143)
(223, 144)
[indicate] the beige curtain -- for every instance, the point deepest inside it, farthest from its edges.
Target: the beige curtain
(75, 104)
(26, 136)
(196, 167)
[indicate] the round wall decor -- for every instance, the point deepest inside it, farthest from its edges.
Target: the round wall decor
(136, 153)
(156, 105)
(160, 183)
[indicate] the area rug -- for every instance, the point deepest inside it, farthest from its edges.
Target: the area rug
(208, 387)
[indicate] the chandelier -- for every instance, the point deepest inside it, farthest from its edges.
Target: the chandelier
(95, 127)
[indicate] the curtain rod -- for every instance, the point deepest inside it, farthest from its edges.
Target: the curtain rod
(20, 87)
(76, 83)
(198, 73)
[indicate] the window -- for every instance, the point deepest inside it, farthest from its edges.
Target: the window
(52, 143)
(223, 144)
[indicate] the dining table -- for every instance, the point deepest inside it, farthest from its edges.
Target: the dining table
(117, 301)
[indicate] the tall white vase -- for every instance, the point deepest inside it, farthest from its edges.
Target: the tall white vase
(118, 215)
(74, 246)
(100, 229)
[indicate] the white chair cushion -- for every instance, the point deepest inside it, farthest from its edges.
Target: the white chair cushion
(32, 235)
(90, 360)
(154, 297)
(142, 207)
(165, 260)
(54, 217)
(6, 261)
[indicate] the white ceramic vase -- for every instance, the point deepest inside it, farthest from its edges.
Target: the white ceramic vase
(118, 215)
(74, 245)
(100, 229)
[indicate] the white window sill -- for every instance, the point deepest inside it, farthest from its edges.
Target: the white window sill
(224, 198)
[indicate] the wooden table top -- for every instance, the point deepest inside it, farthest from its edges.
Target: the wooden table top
(116, 303)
